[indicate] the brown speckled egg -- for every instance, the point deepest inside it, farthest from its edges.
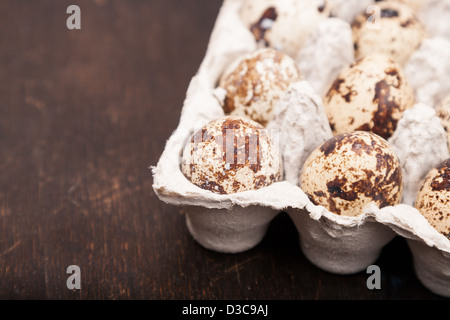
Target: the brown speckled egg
(369, 95)
(257, 82)
(433, 199)
(397, 32)
(444, 113)
(231, 155)
(350, 171)
(283, 24)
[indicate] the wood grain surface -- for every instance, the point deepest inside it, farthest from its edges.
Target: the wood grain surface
(83, 114)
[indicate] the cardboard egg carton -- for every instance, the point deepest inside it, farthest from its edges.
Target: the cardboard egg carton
(235, 223)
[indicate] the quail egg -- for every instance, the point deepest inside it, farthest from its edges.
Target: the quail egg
(350, 171)
(231, 155)
(283, 24)
(255, 83)
(433, 199)
(396, 32)
(369, 95)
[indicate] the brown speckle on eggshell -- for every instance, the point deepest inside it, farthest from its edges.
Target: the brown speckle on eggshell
(255, 83)
(369, 95)
(350, 171)
(433, 199)
(231, 155)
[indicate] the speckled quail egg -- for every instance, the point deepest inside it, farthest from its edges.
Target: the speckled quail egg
(369, 95)
(397, 32)
(255, 83)
(433, 199)
(231, 155)
(283, 24)
(443, 112)
(350, 171)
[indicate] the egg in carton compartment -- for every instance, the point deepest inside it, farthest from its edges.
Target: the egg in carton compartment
(233, 223)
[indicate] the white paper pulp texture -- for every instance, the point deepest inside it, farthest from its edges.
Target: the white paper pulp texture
(302, 126)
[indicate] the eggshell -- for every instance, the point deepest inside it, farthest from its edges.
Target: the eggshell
(443, 112)
(369, 95)
(352, 170)
(231, 155)
(283, 24)
(255, 83)
(433, 199)
(397, 32)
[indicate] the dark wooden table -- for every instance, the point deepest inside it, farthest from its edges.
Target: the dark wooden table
(83, 114)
